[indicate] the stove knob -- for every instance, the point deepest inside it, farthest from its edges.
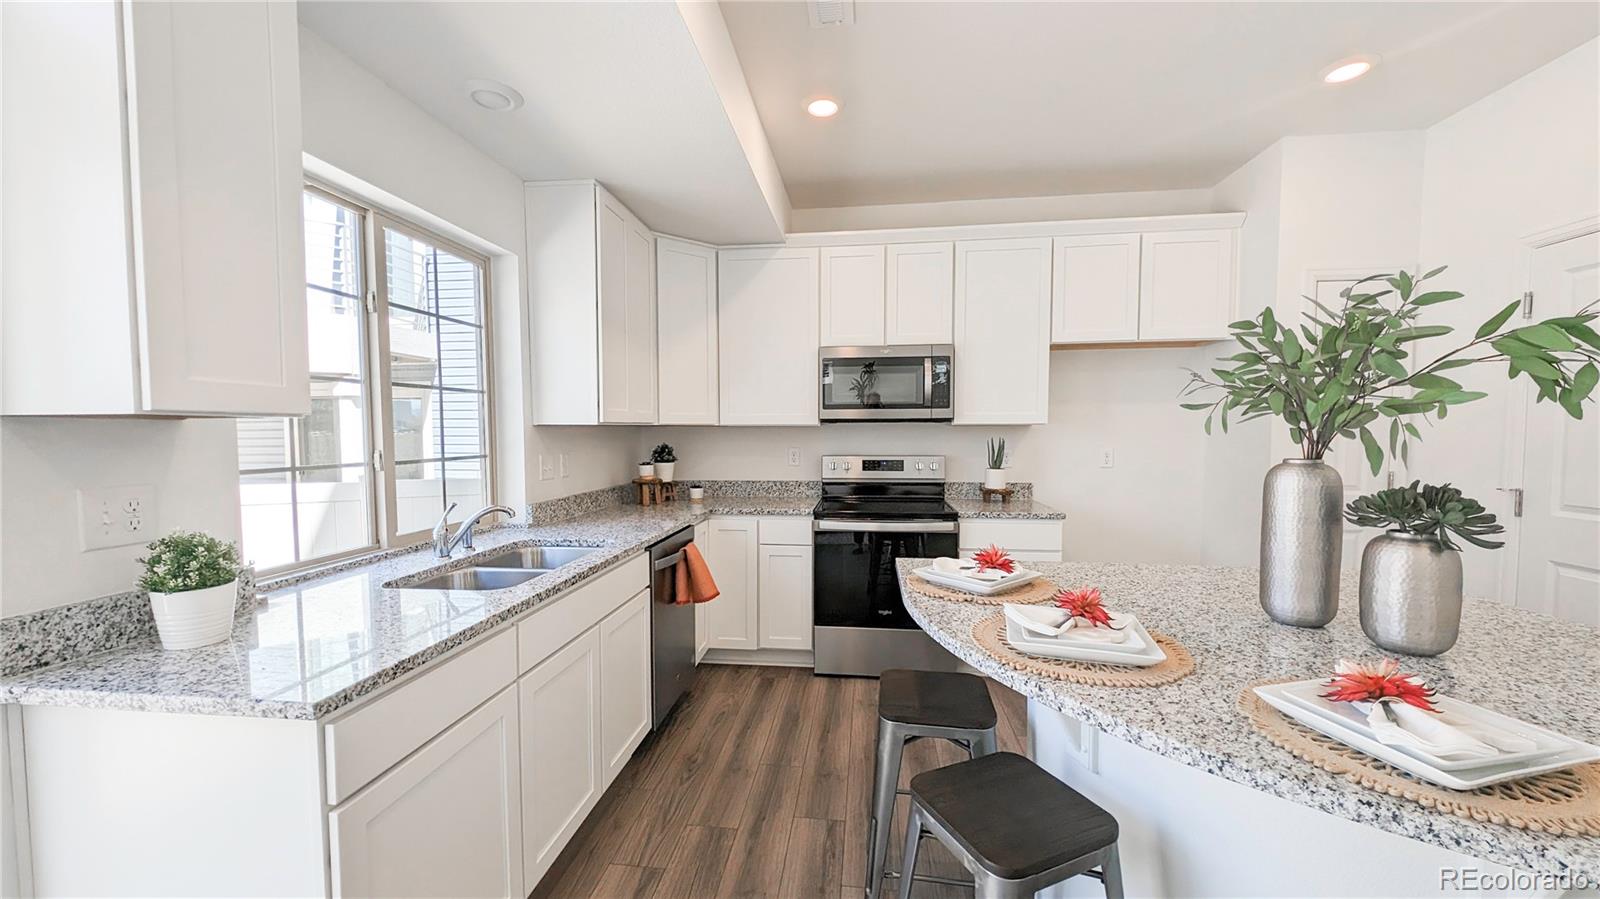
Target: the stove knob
(847, 466)
(919, 466)
(832, 465)
(933, 466)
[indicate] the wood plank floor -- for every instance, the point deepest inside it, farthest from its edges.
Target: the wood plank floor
(758, 787)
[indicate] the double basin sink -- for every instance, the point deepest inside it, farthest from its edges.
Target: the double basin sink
(504, 569)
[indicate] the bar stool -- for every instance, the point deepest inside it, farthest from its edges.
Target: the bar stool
(1016, 828)
(915, 705)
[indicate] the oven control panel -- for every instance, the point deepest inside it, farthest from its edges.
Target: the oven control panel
(883, 468)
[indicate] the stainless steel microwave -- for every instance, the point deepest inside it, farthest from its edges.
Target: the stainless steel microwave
(886, 383)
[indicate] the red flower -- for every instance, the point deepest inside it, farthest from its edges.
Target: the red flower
(1355, 682)
(1084, 603)
(996, 558)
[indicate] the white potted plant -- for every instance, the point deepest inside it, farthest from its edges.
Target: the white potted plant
(191, 578)
(647, 470)
(994, 477)
(664, 460)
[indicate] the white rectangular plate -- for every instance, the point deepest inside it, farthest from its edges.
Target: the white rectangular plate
(978, 588)
(1577, 753)
(1024, 642)
(1132, 642)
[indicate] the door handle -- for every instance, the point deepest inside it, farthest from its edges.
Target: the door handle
(668, 562)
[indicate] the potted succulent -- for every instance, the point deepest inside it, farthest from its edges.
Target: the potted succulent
(647, 469)
(664, 460)
(994, 477)
(191, 578)
(1411, 574)
(1347, 372)
(697, 493)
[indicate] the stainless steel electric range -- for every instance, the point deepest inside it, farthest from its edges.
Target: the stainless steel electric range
(875, 510)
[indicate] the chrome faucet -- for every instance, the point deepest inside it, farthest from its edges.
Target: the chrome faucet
(444, 544)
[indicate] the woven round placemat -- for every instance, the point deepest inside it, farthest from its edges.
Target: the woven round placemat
(1032, 592)
(990, 633)
(1559, 802)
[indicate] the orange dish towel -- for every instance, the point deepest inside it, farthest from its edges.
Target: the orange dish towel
(693, 579)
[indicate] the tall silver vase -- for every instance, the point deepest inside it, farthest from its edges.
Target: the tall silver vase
(1410, 594)
(1300, 542)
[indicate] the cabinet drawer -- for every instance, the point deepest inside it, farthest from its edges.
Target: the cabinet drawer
(794, 531)
(366, 742)
(564, 618)
(1021, 536)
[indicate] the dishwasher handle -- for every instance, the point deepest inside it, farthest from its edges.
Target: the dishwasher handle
(668, 562)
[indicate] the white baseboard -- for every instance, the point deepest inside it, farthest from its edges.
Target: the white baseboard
(784, 658)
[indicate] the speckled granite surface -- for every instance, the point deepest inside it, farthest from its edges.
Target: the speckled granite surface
(953, 490)
(1014, 509)
(1538, 669)
(312, 644)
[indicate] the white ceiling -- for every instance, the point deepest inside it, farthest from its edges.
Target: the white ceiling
(615, 91)
(949, 101)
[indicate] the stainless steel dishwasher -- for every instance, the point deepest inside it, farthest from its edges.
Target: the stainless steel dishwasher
(671, 627)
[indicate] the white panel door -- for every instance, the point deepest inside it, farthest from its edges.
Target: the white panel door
(623, 248)
(1186, 285)
(1096, 290)
(1557, 540)
(785, 582)
(686, 320)
(767, 323)
(444, 822)
(1002, 331)
(214, 128)
(852, 295)
(702, 621)
(624, 683)
(731, 554)
(641, 322)
(562, 776)
(920, 293)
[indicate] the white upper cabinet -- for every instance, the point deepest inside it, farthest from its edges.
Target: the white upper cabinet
(1096, 295)
(767, 335)
(852, 296)
(1002, 331)
(152, 217)
(591, 299)
(919, 306)
(1187, 284)
(686, 322)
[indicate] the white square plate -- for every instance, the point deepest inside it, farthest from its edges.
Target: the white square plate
(1015, 614)
(979, 588)
(1024, 642)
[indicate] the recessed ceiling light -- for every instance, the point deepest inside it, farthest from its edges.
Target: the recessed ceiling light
(1348, 69)
(493, 96)
(823, 107)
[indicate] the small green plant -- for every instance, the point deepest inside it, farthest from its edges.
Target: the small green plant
(188, 560)
(663, 453)
(1427, 510)
(997, 452)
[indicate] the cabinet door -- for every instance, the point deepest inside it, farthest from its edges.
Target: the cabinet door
(1002, 331)
(1096, 291)
(641, 322)
(214, 125)
(731, 618)
(852, 295)
(785, 581)
(686, 320)
(562, 777)
(767, 336)
(702, 628)
(445, 822)
(1186, 285)
(921, 293)
(624, 683)
(627, 313)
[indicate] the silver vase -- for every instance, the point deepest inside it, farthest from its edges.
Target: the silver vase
(1410, 594)
(1300, 542)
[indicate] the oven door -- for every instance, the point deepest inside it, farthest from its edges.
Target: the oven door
(907, 383)
(854, 578)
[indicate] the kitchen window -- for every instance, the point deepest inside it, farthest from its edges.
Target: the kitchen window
(399, 429)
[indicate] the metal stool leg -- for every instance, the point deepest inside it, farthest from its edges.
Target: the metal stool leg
(983, 743)
(1111, 872)
(886, 777)
(908, 859)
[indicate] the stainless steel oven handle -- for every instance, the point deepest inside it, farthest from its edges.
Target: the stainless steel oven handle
(927, 382)
(669, 561)
(896, 527)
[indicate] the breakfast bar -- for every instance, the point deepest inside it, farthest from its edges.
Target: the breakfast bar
(1209, 806)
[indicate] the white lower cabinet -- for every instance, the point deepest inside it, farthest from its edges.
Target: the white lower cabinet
(624, 683)
(445, 822)
(560, 702)
(1025, 540)
(732, 555)
(785, 608)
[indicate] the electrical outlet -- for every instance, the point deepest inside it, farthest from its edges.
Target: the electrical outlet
(794, 455)
(116, 516)
(547, 467)
(563, 464)
(1107, 459)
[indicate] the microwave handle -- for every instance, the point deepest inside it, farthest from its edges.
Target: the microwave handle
(927, 380)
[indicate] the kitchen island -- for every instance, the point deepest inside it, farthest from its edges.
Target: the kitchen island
(1210, 807)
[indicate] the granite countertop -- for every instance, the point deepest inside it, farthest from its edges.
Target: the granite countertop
(1014, 508)
(313, 644)
(1530, 666)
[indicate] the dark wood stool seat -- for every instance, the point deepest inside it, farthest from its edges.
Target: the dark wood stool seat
(935, 699)
(1011, 816)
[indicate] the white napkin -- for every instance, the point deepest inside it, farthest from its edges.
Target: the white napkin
(1057, 624)
(1439, 734)
(1084, 632)
(966, 568)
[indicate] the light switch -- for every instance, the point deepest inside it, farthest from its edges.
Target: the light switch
(116, 516)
